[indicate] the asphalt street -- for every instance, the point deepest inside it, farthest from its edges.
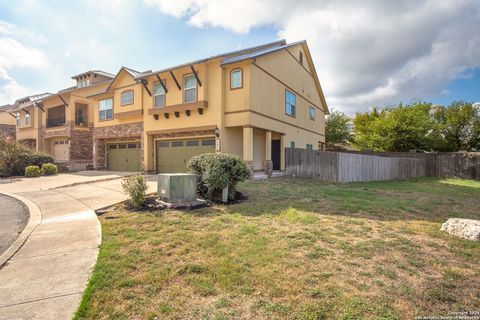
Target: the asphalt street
(13, 218)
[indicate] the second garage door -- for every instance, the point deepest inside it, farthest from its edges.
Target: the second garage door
(60, 150)
(172, 156)
(123, 156)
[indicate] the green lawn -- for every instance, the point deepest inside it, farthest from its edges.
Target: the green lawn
(296, 249)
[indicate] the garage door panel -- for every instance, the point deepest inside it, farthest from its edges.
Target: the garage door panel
(123, 157)
(172, 156)
(60, 150)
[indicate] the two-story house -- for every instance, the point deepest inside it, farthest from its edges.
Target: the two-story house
(28, 120)
(67, 122)
(252, 102)
(118, 123)
(61, 123)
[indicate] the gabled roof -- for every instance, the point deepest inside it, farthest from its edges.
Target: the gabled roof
(97, 72)
(134, 73)
(254, 54)
(227, 54)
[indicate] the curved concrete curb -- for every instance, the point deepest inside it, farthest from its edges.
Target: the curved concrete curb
(35, 217)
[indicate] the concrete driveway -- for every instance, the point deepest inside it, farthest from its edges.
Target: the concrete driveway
(13, 217)
(45, 275)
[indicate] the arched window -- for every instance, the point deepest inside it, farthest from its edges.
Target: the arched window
(236, 79)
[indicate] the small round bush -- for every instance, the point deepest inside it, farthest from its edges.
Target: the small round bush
(32, 171)
(49, 169)
(217, 171)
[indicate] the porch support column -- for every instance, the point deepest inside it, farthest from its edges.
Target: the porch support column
(282, 152)
(148, 150)
(267, 163)
(248, 147)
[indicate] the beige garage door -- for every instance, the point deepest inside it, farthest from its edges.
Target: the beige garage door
(60, 150)
(123, 156)
(172, 156)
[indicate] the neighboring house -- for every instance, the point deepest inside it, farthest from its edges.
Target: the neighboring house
(28, 115)
(67, 124)
(7, 122)
(252, 103)
(61, 124)
(118, 123)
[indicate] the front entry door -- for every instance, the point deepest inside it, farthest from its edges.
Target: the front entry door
(276, 154)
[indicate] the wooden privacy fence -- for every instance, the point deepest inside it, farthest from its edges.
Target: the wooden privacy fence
(440, 164)
(351, 166)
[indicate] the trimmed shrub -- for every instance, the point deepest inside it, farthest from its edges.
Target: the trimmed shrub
(49, 169)
(32, 171)
(31, 158)
(216, 171)
(136, 187)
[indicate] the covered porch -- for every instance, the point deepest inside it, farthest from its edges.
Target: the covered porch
(262, 149)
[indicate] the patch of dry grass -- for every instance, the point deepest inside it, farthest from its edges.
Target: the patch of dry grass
(297, 249)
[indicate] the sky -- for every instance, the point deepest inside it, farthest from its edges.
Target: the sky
(366, 53)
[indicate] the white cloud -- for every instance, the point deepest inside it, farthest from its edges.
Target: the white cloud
(9, 88)
(14, 54)
(367, 53)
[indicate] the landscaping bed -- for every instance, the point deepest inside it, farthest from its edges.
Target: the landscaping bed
(296, 249)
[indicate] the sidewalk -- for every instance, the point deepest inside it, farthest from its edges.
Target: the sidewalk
(46, 277)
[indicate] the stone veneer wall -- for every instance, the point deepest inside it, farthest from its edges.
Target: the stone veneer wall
(80, 141)
(8, 131)
(81, 145)
(118, 133)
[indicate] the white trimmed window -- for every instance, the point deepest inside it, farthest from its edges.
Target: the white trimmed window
(105, 109)
(312, 113)
(17, 116)
(126, 97)
(27, 119)
(236, 79)
(189, 88)
(158, 95)
(290, 103)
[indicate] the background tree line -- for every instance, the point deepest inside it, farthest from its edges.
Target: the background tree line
(420, 126)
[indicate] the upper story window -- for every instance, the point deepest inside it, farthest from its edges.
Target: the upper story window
(300, 58)
(105, 109)
(236, 79)
(290, 103)
(309, 147)
(27, 119)
(158, 95)
(189, 88)
(17, 116)
(312, 113)
(126, 97)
